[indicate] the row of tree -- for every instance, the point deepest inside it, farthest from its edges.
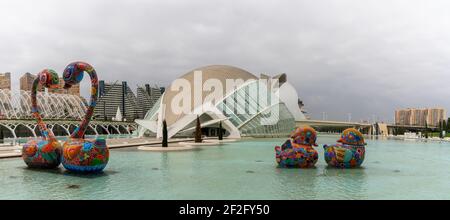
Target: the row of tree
(197, 134)
(444, 127)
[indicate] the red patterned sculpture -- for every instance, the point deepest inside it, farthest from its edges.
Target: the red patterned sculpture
(46, 152)
(298, 152)
(81, 155)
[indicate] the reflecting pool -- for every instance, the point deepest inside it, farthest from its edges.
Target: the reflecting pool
(243, 170)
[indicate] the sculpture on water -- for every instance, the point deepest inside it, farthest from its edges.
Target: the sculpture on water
(349, 152)
(46, 151)
(79, 154)
(298, 152)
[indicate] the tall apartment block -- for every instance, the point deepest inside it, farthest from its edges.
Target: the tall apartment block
(420, 117)
(26, 81)
(5, 81)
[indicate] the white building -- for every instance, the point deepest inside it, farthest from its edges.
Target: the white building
(250, 108)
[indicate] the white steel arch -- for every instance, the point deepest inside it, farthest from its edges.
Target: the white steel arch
(51, 105)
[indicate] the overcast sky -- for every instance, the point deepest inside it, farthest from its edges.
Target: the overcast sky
(361, 57)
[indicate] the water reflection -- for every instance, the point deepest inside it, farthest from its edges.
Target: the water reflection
(28, 170)
(62, 184)
(296, 183)
(322, 182)
(345, 183)
(90, 175)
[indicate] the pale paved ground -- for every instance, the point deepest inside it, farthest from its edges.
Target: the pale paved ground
(15, 151)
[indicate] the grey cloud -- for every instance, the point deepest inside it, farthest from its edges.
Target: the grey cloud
(361, 57)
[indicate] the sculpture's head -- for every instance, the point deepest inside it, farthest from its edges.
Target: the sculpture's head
(304, 136)
(73, 74)
(49, 78)
(352, 136)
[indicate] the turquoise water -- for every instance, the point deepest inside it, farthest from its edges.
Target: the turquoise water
(243, 170)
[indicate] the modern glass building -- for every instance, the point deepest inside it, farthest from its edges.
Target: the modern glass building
(251, 107)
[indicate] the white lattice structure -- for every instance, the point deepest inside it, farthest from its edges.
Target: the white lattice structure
(62, 113)
(51, 105)
(28, 128)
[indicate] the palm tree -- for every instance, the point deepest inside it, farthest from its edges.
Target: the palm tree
(198, 131)
(164, 141)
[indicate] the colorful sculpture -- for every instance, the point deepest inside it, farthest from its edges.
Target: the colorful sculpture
(298, 152)
(81, 155)
(349, 152)
(44, 153)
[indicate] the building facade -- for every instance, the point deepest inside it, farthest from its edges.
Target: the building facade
(146, 96)
(114, 97)
(26, 84)
(74, 90)
(420, 117)
(5, 81)
(26, 81)
(143, 98)
(240, 108)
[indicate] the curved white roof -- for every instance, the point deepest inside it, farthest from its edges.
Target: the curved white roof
(242, 106)
(219, 72)
(289, 96)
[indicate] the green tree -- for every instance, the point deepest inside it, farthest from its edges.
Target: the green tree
(426, 130)
(165, 141)
(220, 131)
(198, 131)
(448, 125)
(444, 125)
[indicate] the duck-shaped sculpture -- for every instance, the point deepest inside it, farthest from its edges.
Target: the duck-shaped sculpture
(45, 152)
(298, 152)
(81, 155)
(349, 152)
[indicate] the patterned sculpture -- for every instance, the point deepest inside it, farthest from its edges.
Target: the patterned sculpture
(81, 155)
(349, 152)
(298, 152)
(46, 152)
